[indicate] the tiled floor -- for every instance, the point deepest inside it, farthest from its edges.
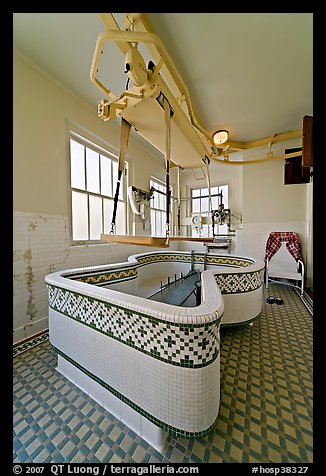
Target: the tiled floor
(265, 410)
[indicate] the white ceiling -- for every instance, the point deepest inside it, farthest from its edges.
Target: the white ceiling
(249, 73)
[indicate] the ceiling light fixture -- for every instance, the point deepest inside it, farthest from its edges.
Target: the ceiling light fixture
(219, 137)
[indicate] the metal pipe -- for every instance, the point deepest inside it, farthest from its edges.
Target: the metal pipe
(257, 161)
(185, 198)
(206, 162)
(179, 202)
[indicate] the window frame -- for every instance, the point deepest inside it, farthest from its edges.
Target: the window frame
(160, 183)
(206, 213)
(110, 152)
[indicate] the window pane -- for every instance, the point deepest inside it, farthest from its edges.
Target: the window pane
(158, 209)
(114, 174)
(159, 224)
(106, 176)
(77, 165)
(79, 216)
(161, 199)
(204, 205)
(195, 192)
(92, 171)
(196, 205)
(95, 217)
(223, 229)
(108, 210)
(204, 192)
(215, 202)
(152, 222)
(155, 200)
(120, 223)
(204, 231)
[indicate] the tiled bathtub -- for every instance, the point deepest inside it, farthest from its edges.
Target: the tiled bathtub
(154, 365)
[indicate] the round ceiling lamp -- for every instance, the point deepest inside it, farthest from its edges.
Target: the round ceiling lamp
(221, 136)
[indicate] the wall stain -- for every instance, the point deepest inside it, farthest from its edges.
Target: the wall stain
(30, 280)
(66, 250)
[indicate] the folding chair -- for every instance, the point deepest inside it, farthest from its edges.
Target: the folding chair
(283, 260)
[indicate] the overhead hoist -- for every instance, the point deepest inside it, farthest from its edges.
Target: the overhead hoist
(151, 108)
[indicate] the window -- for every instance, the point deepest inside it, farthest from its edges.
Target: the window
(158, 208)
(200, 206)
(93, 178)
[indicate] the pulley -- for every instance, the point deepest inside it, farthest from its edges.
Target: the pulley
(135, 66)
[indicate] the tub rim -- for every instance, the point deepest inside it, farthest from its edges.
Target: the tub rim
(211, 308)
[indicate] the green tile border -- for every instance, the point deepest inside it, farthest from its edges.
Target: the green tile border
(129, 272)
(164, 426)
(30, 342)
(182, 328)
(238, 286)
(109, 277)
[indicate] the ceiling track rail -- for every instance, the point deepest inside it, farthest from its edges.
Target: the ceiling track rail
(139, 30)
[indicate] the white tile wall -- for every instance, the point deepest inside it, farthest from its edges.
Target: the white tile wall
(251, 240)
(41, 245)
(185, 398)
(154, 435)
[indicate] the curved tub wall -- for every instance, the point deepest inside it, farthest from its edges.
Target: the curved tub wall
(239, 279)
(161, 360)
(242, 290)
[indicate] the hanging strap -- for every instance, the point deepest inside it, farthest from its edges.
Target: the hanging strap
(167, 117)
(124, 137)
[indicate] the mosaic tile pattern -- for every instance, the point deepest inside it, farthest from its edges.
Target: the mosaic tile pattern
(185, 345)
(28, 344)
(108, 277)
(99, 278)
(239, 283)
(265, 409)
(198, 258)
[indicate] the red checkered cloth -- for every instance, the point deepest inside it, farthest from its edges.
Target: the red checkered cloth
(275, 240)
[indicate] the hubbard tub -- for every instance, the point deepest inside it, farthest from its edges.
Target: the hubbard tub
(155, 366)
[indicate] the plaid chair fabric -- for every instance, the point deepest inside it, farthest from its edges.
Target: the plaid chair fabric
(275, 240)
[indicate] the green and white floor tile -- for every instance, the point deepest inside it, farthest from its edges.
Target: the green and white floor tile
(265, 409)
